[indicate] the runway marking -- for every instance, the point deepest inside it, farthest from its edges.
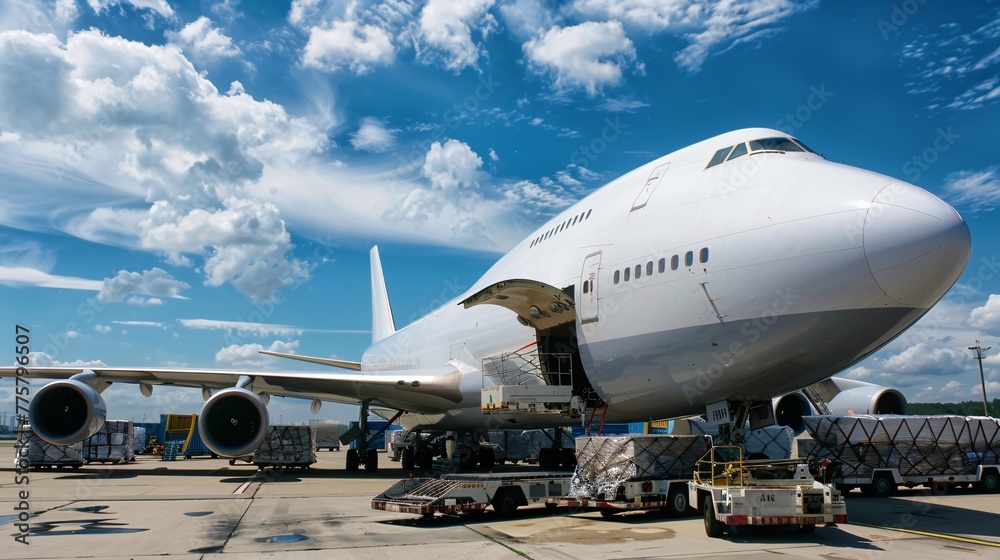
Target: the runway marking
(929, 534)
(243, 487)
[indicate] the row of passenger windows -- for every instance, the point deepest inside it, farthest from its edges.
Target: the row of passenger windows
(570, 222)
(636, 272)
(779, 144)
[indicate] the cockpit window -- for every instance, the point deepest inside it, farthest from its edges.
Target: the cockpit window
(739, 150)
(775, 145)
(719, 157)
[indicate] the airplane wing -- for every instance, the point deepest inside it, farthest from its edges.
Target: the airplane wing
(423, 390)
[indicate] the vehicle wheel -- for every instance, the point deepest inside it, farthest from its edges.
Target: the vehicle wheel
(504, 503)
(807, 529)
(232, 462)
(487, 457)
(677, 501)
(608, 513)
(940, 488)
(883, 485)
(713, 527)
(989, 482)
(371, 460)
(406, 459)
(353, 459)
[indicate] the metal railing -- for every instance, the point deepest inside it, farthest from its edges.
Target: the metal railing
(721, 466)
(528, 368)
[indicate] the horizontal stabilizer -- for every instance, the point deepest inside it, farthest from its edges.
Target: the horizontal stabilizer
(356, 366)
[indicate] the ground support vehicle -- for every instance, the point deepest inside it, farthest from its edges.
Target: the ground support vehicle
(881, 453)
(731, 493)
(473, 493)
(635, 472)
(327, 434)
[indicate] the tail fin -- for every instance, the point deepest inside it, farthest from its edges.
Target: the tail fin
(382, 324)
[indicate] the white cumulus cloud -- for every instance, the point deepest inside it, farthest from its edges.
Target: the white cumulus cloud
(446, 28)
(249, 356)
(159, 6)
(591, 55)
(373, 136)
(987, 317)
(451, 165)
(203, 41)
(348, 45)
(155, 282)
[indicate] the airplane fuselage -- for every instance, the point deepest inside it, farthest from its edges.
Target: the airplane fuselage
(697, 282)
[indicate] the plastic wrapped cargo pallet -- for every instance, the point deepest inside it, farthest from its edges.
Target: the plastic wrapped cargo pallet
(41, 453)
(521, 445)
(138, 439)
(286, 446)
(604, 462)
(113, 443)
(915, 445)
(773, 441)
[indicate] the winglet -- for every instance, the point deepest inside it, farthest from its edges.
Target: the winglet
(382, 324)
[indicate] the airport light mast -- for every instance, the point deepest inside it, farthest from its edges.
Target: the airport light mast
(979, 357)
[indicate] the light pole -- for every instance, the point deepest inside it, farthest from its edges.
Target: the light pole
(982, 379)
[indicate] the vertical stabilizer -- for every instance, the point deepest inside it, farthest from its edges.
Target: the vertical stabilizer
(382, 324)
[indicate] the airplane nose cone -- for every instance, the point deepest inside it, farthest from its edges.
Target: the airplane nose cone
(916, 244)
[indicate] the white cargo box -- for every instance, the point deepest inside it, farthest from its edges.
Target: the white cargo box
(513, 398)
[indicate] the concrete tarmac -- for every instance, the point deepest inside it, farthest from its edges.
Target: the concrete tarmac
(205, 508)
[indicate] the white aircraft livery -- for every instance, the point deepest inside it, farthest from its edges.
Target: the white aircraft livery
(734, 271)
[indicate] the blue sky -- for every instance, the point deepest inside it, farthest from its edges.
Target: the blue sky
(172, 169)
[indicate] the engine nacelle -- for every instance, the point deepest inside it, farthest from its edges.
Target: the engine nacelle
(233, 423)
(66, 412)
(868, 400)
(789, 410)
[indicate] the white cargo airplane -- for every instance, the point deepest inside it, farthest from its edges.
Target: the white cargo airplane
(723, 275)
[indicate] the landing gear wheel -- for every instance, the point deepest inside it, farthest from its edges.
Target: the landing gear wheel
(677, 502)
(487, 457)
(713, 527)
(548, 458)
(567, 458)
(466, 456)
(406, 459)
(353, 460)
(371, 460)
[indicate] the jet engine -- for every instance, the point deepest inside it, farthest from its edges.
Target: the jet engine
(66, 412)
(868, 400)
(789, 410)
(233, 422)
(842, 396)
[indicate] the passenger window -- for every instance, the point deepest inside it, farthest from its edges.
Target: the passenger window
(673, 262)
(649, 268)
(638, 271)
(719, 157)
(689, 258)
(703, 257)
(627, 272)
(739, 150)
(663, 265)
(618, 276)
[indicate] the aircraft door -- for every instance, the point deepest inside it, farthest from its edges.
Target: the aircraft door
(588, 303)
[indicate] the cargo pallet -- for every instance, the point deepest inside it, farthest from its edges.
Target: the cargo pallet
(473, 493)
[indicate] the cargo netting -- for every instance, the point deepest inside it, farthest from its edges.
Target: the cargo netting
(287, 445)
(774, 442)
(113, 442)
(916, 445)
(39, 452)
(605, 462)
